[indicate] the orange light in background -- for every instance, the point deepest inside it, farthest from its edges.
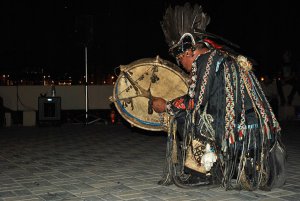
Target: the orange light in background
(112, 116)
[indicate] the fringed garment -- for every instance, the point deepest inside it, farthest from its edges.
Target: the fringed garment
(226, 111)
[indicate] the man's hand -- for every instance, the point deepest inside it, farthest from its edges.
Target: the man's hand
(159, 104)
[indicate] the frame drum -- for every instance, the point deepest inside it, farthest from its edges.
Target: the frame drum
(138, 82)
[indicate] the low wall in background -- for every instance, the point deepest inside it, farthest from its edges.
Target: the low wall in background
(25, 98)
(21, 102)
(288, 112)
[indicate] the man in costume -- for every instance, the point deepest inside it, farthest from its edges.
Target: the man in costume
(223, 131)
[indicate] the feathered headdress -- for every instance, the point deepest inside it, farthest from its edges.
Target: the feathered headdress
(184, 26)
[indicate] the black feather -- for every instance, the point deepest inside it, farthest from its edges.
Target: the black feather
(183, 19)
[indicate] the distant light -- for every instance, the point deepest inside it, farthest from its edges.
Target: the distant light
(4, 76)
(112, 77)
(262, 79)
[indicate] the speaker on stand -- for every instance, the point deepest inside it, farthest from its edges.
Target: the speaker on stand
(85, 35)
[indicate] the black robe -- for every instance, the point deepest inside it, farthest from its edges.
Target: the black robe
(246, 135)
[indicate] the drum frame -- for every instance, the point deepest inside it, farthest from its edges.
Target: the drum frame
(135, 121)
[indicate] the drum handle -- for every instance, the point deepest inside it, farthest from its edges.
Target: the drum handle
(150, 109)
(144, 93)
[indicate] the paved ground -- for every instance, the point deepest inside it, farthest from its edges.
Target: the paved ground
(107, 162)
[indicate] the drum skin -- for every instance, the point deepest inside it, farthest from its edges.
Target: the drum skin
(131, 91)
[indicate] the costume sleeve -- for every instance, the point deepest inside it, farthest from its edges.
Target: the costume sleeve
(178, 104)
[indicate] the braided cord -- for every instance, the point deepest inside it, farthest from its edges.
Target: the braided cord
(229, 116)
(234, 79)
(242, 125)
(203, 84)
(274, 120)
(251, 91)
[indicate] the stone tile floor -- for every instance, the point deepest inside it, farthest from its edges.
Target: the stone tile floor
(110, 162)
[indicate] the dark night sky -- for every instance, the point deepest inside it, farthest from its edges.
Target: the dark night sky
(48, 34)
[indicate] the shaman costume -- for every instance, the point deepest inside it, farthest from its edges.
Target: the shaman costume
(224, 130)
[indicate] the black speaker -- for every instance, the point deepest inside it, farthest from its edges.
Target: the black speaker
(49, 109)
(84, 30)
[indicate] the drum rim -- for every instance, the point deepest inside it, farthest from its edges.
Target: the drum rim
(147, 125)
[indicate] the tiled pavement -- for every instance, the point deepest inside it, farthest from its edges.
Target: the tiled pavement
(109, 162)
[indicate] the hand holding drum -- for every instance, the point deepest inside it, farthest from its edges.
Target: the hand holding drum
(159, 104)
